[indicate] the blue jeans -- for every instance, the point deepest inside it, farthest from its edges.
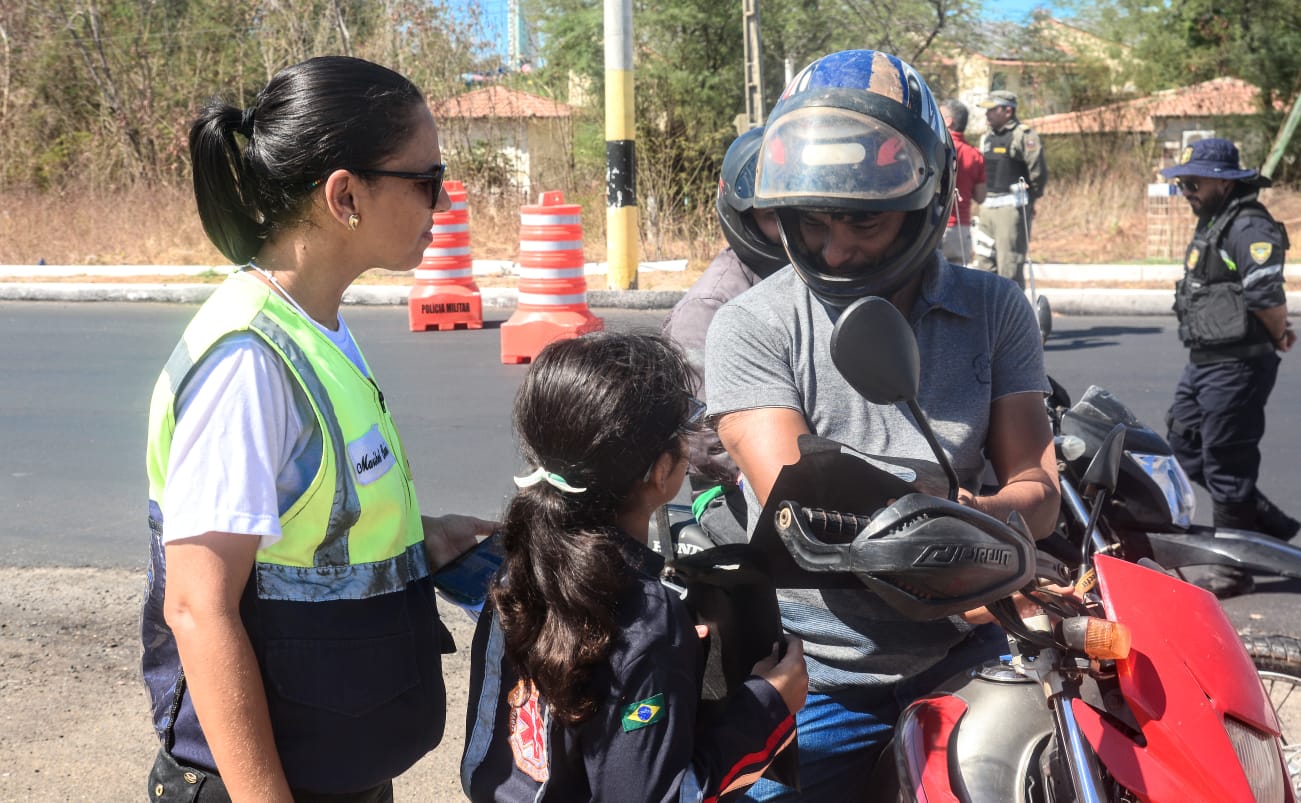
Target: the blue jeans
(841, 736)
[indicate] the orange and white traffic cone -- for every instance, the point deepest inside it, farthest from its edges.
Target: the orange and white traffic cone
(552, 289)
(444, 295)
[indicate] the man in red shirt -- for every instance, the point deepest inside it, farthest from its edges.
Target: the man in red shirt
(971, 184)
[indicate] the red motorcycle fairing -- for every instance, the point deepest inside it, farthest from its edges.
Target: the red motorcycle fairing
(923, 738)
(1187, 670)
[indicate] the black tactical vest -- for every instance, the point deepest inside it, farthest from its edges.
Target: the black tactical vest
(1002, 170)
(1213, 317)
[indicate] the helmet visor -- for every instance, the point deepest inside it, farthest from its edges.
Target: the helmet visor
(837, 154)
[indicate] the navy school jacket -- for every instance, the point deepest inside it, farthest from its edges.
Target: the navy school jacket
(644, 742)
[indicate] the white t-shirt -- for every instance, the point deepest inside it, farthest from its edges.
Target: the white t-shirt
(246, 443)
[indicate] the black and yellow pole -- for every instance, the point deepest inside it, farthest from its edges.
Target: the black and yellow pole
(621, 243)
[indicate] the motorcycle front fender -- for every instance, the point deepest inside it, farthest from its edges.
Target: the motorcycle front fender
(1207, 546)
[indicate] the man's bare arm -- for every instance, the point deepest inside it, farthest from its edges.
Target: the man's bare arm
(761, 441)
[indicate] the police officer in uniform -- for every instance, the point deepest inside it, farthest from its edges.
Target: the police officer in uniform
(1016, 174)
(1233, 318)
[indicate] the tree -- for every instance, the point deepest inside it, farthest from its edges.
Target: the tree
(1185, 41)
(689, 70)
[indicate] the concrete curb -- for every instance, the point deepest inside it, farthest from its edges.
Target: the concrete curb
(1098, 296)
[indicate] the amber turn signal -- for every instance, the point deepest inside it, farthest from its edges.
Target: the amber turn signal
(1096, 638)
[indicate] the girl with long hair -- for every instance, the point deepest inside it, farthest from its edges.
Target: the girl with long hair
(586, 670)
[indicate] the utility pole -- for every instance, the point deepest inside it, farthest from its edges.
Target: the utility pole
(621, 244)
(753, 64)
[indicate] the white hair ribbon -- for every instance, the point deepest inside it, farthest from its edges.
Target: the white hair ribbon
(542, 475)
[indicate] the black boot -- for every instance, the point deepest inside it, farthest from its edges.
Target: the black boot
(1273, 521)
(1228, 581)
(1234, 515)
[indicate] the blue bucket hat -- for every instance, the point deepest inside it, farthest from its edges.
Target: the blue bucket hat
(1213, 158)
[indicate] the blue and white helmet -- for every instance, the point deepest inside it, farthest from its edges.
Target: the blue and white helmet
(858, 132)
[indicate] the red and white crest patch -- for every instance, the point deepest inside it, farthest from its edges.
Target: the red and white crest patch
(528, 732)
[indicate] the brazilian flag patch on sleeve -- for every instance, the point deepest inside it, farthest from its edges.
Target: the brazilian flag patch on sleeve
(643, 713)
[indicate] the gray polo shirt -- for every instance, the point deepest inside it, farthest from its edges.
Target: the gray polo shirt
(770, 347)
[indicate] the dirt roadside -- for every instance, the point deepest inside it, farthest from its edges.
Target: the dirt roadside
(74, 717)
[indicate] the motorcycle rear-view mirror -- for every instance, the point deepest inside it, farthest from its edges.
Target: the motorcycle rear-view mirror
(1043, 315)
(875, 350)
(873, 347)
(1104, 469)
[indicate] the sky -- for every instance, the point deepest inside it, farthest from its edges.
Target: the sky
(1015, 10)
(494, 14)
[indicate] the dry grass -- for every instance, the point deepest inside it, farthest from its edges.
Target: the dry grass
(1093, 218)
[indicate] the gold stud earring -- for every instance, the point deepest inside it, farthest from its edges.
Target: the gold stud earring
(353, 220)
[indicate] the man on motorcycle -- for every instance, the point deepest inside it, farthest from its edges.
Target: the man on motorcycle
(754, 253)
(1233, 318)
(858, 167)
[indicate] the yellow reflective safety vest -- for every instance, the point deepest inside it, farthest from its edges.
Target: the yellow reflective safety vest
(340, 610)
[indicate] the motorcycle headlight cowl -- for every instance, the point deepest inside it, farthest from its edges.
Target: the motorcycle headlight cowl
(1260, 759)
(1170, 478)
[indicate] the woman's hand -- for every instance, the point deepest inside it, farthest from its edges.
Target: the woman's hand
(788, 675)
(448, 536)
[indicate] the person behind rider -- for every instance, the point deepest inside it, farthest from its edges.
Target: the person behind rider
(586, 671)
(754, 253)
(858, 167)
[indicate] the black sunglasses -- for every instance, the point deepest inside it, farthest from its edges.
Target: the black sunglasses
(1187, 184)
(434, 177)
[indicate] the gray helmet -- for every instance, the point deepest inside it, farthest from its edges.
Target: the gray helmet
(858, 132)
(736, 207)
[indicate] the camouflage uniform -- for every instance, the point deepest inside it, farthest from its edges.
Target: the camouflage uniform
(1012, 153)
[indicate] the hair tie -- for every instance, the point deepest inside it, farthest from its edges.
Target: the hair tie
(552, 479)
(246, 121)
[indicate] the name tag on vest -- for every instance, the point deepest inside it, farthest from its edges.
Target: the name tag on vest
(371, 456)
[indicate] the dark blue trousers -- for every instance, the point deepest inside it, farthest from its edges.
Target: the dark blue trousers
(1217, 421)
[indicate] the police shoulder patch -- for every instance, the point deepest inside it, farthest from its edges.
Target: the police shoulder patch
(643, 713)
(1261, 251)
(1194, 254)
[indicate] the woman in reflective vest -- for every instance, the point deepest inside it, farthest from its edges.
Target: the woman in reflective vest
(292, 645)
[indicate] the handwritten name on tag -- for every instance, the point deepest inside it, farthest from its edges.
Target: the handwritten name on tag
(371, 456)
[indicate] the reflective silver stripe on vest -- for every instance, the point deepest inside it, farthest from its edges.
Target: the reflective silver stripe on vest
(330, 583)
(178, 369)
(346, 508)
(544, 300)
(551, 273)
(476, 750)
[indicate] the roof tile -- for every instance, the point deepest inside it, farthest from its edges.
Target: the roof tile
(499, 101)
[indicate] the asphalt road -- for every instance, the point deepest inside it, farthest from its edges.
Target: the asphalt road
(77, 379)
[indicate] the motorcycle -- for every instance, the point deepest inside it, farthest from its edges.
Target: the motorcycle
(1133, 687)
